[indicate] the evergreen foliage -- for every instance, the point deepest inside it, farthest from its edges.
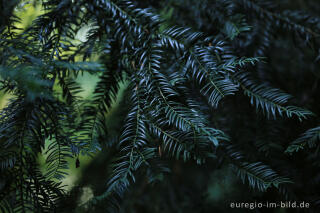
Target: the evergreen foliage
(219, 83)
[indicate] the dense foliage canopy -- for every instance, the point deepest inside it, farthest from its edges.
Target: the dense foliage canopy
(191, 98)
